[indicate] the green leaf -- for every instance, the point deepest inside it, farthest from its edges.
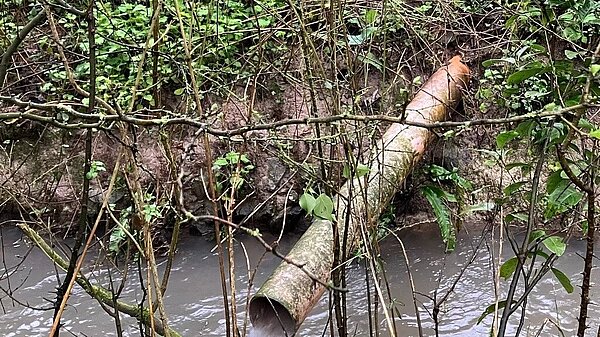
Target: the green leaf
(439, 172)
(96, 166)
(563, 197)
(244, 158)
(555, 244)
(490, 309)
(356, 40)
(481, 207)
(508, 267)
(563, 279)
(519, 216)
(254, 232)
(308, 202)
(346, 171)
(233, 157)
(324, 207)
(585, 124)
(594, 69)
(117, 236)
(262, 22)
(505, 137)
(539, 253)
(595, 134)
(220, 162)
(371, 59)
(442, 214)
(554, 181)
(536, 234)
(525, 128)
(361, 170)
(571, 54)
(236, 181)
(370, 16)
(522, 75)
(512, 188)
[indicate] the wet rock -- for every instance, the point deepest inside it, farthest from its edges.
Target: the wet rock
(448, 155)
(202, 228)
(253, 211)
(294, 217)
(275, 172)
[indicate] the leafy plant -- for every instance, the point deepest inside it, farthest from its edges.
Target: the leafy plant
(357, 171)
(554, 244)
(96, 167)
(437, 199)
(125, 230)
(117, 234)
(450, 188)
(218, 31)
(320, 207)
(231, 171)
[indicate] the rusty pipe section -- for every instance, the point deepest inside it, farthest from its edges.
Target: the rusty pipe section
(288, 295)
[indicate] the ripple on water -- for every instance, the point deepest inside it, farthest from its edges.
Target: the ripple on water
(195, 306)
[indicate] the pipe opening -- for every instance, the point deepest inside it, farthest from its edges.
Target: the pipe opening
(270, 318)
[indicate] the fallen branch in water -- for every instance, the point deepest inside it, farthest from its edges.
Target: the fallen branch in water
(99, 293)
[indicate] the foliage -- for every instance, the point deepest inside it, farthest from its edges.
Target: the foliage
(530, 76)
(96, 167)
(125, 229)
(387, 220)
(554, 244)
(320, 207)
(357, 171)
(117, 236)
(543, 72)
(437, 198)
(449, 188)
(535, 56)
(218, 35)
(231, 171)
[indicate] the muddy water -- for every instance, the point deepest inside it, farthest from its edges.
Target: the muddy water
(194, 303)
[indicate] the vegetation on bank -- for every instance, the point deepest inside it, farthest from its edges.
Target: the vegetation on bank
(115, 112)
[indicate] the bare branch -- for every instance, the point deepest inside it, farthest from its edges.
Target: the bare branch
(6, 56)
(99, 120)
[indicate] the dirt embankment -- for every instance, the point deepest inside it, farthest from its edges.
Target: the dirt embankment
(41, 167)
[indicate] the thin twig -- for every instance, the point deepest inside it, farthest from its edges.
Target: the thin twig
(269, 248)
(99, 120)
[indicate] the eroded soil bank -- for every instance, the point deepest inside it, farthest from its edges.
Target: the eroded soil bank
(41, 168)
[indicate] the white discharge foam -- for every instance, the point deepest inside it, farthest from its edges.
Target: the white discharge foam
(273, 330)
(261, 332)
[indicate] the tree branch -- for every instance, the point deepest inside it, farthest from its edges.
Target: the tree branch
(98, 120)
(101, 294)
(14, 45)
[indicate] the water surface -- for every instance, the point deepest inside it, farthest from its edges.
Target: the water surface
(195, 306)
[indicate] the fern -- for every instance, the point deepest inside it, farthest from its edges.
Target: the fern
(436, 197)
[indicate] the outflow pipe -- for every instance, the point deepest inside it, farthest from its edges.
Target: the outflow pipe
(288, 295)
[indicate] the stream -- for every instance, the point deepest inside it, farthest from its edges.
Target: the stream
(195, 307)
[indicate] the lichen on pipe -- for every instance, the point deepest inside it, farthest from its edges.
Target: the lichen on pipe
(288, 295)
